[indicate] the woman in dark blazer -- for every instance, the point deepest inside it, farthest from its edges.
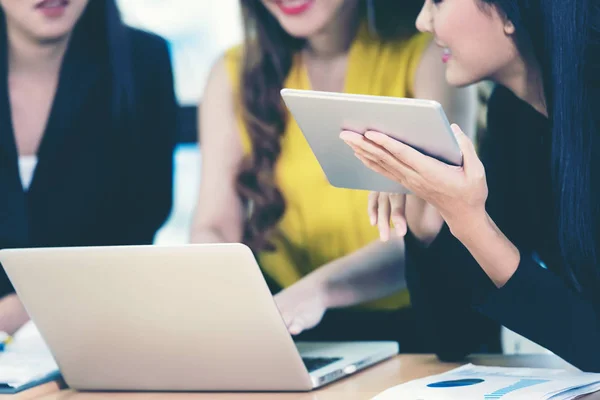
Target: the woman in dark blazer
(87, 131)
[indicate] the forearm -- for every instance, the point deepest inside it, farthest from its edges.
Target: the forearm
(494, 252)
(439, 278)
(373, 272)
(206, 235)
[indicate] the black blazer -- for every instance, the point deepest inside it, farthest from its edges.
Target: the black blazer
(451, 293)
(98, 181)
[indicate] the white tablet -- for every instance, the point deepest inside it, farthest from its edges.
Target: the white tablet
(322, 116)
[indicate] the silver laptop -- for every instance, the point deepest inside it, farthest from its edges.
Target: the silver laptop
(182, 318)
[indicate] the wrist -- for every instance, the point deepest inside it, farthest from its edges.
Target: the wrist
(315, 286)
(492, 250)
(468, 226)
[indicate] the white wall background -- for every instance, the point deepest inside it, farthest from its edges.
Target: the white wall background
(197, 30)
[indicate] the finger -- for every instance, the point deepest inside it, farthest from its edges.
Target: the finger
(287, 319)
(372, 208)
(398, 212)
(295, 330)
(398, 173)
(404, 153)
(467, 148)
(376, 167)
(396, 168)
(374, 152)
(366, 154)
(350, 137)
(383, 219)
(296, 327)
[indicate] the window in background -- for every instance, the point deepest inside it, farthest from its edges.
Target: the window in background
(198, 32)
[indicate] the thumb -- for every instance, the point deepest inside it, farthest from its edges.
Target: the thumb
(466, 146)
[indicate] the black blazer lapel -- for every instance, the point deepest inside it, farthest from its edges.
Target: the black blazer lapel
(80, 71)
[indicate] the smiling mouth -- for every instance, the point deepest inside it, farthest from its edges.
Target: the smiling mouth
(294, 7)
(52, 4)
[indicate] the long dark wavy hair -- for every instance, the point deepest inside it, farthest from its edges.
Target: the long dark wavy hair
(102, 31)
(268, 55)
(564, 38)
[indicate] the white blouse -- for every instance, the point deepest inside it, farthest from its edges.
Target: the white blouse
(27, 166)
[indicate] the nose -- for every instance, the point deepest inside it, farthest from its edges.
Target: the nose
(424, 20)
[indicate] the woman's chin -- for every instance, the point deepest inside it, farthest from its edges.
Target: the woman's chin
(456, 77)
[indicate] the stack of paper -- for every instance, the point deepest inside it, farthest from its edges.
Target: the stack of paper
(26, 361)
(493, 383)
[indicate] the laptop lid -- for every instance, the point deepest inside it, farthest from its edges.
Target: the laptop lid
(172, 318)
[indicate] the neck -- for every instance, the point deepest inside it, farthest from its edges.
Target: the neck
(336, 38)
(33, 57)
(527, 84)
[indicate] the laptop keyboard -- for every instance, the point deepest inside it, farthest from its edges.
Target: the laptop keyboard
(315, 363)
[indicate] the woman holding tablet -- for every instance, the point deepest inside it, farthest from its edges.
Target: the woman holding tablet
(521, 239)
(261, 184)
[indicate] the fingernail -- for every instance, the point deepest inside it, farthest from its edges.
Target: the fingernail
(295, 329)
(371, 135)
(401, 230)
(373, 220)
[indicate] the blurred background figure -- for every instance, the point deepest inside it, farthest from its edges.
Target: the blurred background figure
(261, 184)
(198, 32)
(87, 130)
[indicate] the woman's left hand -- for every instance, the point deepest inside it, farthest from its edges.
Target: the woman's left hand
(458, 193)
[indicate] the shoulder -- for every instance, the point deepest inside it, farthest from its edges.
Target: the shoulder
(412, 47)
(231, 63)
(144, 43)
(505, 111)
(151, 64)
(398, 61)
(150, 56)
(234, 54)
(503, 117)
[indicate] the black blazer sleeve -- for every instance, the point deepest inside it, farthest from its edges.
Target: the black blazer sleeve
(149, 186)
(447, 287)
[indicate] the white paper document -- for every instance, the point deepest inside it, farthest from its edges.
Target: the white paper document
(26, 361)
(495, 383)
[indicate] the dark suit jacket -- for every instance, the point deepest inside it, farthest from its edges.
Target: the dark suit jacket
(99, 180)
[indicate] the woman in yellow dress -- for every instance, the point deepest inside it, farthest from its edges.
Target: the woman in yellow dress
(261, 184)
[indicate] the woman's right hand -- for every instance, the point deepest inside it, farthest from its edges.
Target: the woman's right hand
(404, 212)
(302, 305)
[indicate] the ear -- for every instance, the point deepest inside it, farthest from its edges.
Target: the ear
(509, 28)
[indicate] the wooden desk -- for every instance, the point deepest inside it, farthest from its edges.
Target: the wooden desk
(361, 386)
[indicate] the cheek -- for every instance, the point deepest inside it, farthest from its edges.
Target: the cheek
(14, 8)
(480, 49)
(485, 57)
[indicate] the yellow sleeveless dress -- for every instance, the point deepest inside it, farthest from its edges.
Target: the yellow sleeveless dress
(323, 223)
